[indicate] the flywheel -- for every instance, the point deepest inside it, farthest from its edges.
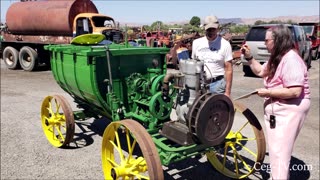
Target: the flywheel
(210, 118)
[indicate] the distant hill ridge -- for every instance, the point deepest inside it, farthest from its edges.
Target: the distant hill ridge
(250, 21)
(297, 19)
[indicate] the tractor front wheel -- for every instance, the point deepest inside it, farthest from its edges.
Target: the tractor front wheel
(57, 120)
(128, 152)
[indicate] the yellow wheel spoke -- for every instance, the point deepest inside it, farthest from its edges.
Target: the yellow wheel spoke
(235, 159)
(63, 125)
(130, 147)
(254, 154)
(114, 164)
(243, 161)
(247, 139)
(119, 146)
(224, 157)
(136, 163)
(57, 106)
(50, 128)
(47, 118)
(50, 109)
(60, 134)
(62, 118)
(242, 127)
(133, 145)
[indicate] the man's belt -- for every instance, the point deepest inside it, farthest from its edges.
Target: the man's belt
(208, 81)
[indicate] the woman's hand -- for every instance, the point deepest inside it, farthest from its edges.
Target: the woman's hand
(262, 92)
(245, 50)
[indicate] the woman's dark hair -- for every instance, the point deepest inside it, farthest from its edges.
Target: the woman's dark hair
(283, 42)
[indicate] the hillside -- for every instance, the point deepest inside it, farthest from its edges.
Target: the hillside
(248, 21)
(297, 19)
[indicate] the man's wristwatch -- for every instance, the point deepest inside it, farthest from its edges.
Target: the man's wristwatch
(249, 58)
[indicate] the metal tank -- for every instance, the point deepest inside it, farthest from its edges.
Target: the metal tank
(46, 17)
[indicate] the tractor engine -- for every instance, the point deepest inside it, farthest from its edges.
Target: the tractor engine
(201, 117)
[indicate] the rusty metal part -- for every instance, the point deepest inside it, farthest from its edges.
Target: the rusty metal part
(38, 39)
(177, 132)
(46, 17)
(70, 125)
(210, 118)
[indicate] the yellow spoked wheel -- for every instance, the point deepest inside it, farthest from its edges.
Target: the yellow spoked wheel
(57, 120)
(135, 155)
(244, 147)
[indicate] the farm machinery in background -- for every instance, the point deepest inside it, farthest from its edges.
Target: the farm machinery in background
(312, 31)
(182, 48)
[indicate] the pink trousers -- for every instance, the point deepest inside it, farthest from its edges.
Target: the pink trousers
(290, 116)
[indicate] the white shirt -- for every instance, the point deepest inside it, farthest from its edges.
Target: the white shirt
(215, 58)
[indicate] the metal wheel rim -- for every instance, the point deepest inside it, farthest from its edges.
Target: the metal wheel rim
(223, 157)
(9, 59)
(130, 166)
(57, 120)
(26, 60)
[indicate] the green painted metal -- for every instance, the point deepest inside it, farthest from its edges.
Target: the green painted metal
(120, 82)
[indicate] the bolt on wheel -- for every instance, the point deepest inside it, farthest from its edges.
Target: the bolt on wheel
(57, 120)
(243, 150)
(135, 155)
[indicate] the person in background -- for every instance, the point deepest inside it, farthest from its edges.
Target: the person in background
(216, 53)
(286, 96)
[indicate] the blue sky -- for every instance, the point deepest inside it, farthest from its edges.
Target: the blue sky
(147, 12)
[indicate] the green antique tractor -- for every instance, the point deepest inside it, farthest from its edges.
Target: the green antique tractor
(159, 116)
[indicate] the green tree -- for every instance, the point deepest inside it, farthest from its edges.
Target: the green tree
(156, 25)
(259, 22)
(195, 21)
(239, 29)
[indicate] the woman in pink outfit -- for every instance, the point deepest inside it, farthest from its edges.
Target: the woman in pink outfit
(286, 93)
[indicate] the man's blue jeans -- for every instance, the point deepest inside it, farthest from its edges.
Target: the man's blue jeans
(218, 87)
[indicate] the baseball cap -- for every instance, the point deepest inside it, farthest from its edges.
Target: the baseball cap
(211, 22)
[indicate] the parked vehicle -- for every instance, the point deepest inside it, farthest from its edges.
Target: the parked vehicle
(50, 22)
(255, 40)
(313, 32)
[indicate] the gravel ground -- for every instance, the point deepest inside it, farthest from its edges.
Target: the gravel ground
(26, 153)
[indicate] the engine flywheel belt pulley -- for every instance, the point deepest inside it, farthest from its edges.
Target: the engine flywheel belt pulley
(210, 118)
